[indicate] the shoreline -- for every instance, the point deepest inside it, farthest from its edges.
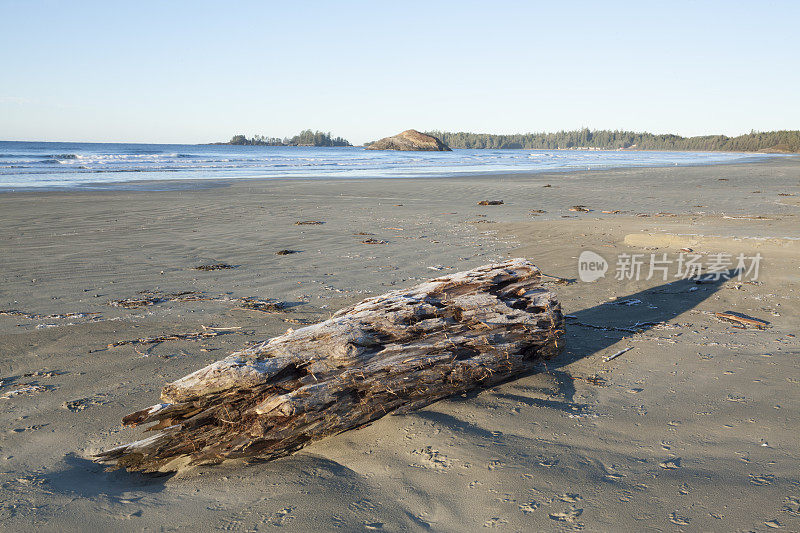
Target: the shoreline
(162, 185)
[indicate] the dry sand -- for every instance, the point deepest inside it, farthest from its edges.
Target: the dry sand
(695, 428)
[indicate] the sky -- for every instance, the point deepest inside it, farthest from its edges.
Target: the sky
(193, 72)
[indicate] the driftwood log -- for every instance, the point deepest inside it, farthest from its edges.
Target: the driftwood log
(392, 353)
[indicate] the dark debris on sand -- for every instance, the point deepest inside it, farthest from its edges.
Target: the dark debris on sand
(214, 266)
(265, 306)
(151, 298)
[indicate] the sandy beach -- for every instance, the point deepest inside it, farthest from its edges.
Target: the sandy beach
(693, 428)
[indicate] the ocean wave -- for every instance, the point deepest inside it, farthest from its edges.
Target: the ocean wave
(120, 163)
(38, 156)
(125, 157)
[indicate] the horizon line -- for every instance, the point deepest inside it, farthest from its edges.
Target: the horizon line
(543, 132)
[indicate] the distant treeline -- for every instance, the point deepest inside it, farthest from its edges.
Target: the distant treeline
(771, 141)
(304, 138)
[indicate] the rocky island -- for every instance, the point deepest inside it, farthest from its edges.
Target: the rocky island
(304, 138)
(409, 140)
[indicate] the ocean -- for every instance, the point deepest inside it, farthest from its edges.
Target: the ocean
(58, 165)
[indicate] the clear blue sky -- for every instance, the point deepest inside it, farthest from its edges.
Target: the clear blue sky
(172, 71)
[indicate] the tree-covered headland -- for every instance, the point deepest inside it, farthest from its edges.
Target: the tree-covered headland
(772, 141)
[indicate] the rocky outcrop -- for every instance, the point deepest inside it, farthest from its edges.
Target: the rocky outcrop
(410, 140)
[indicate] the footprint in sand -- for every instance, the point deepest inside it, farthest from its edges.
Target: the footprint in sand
(609, 473)
(363, 505)
(495, 522)
(495, 464)
(432, 458)
(671, 464)
(528, 508)
(773, 524)
(570, 498)
(765, 479)
(282, 517)
(570, 515)
(82, 404)
(232, 524)
(675, 518)
(792, 506)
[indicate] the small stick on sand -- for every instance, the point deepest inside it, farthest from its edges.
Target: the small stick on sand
(37, 316)
(606, 328)
(743, 320)
(227, 328)
(560, 281)
(195, 335)
(614, 356)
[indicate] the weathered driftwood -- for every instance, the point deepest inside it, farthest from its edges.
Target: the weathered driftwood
(396, 352)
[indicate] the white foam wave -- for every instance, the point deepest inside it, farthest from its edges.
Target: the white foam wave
(80, 164)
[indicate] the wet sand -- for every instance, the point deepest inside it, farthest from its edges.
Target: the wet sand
(694, 428)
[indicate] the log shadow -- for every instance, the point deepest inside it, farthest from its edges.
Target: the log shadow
(564, 384)
(589, 332)
(566, 405)
(454, 424)
(592, 330)
(87, 479)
